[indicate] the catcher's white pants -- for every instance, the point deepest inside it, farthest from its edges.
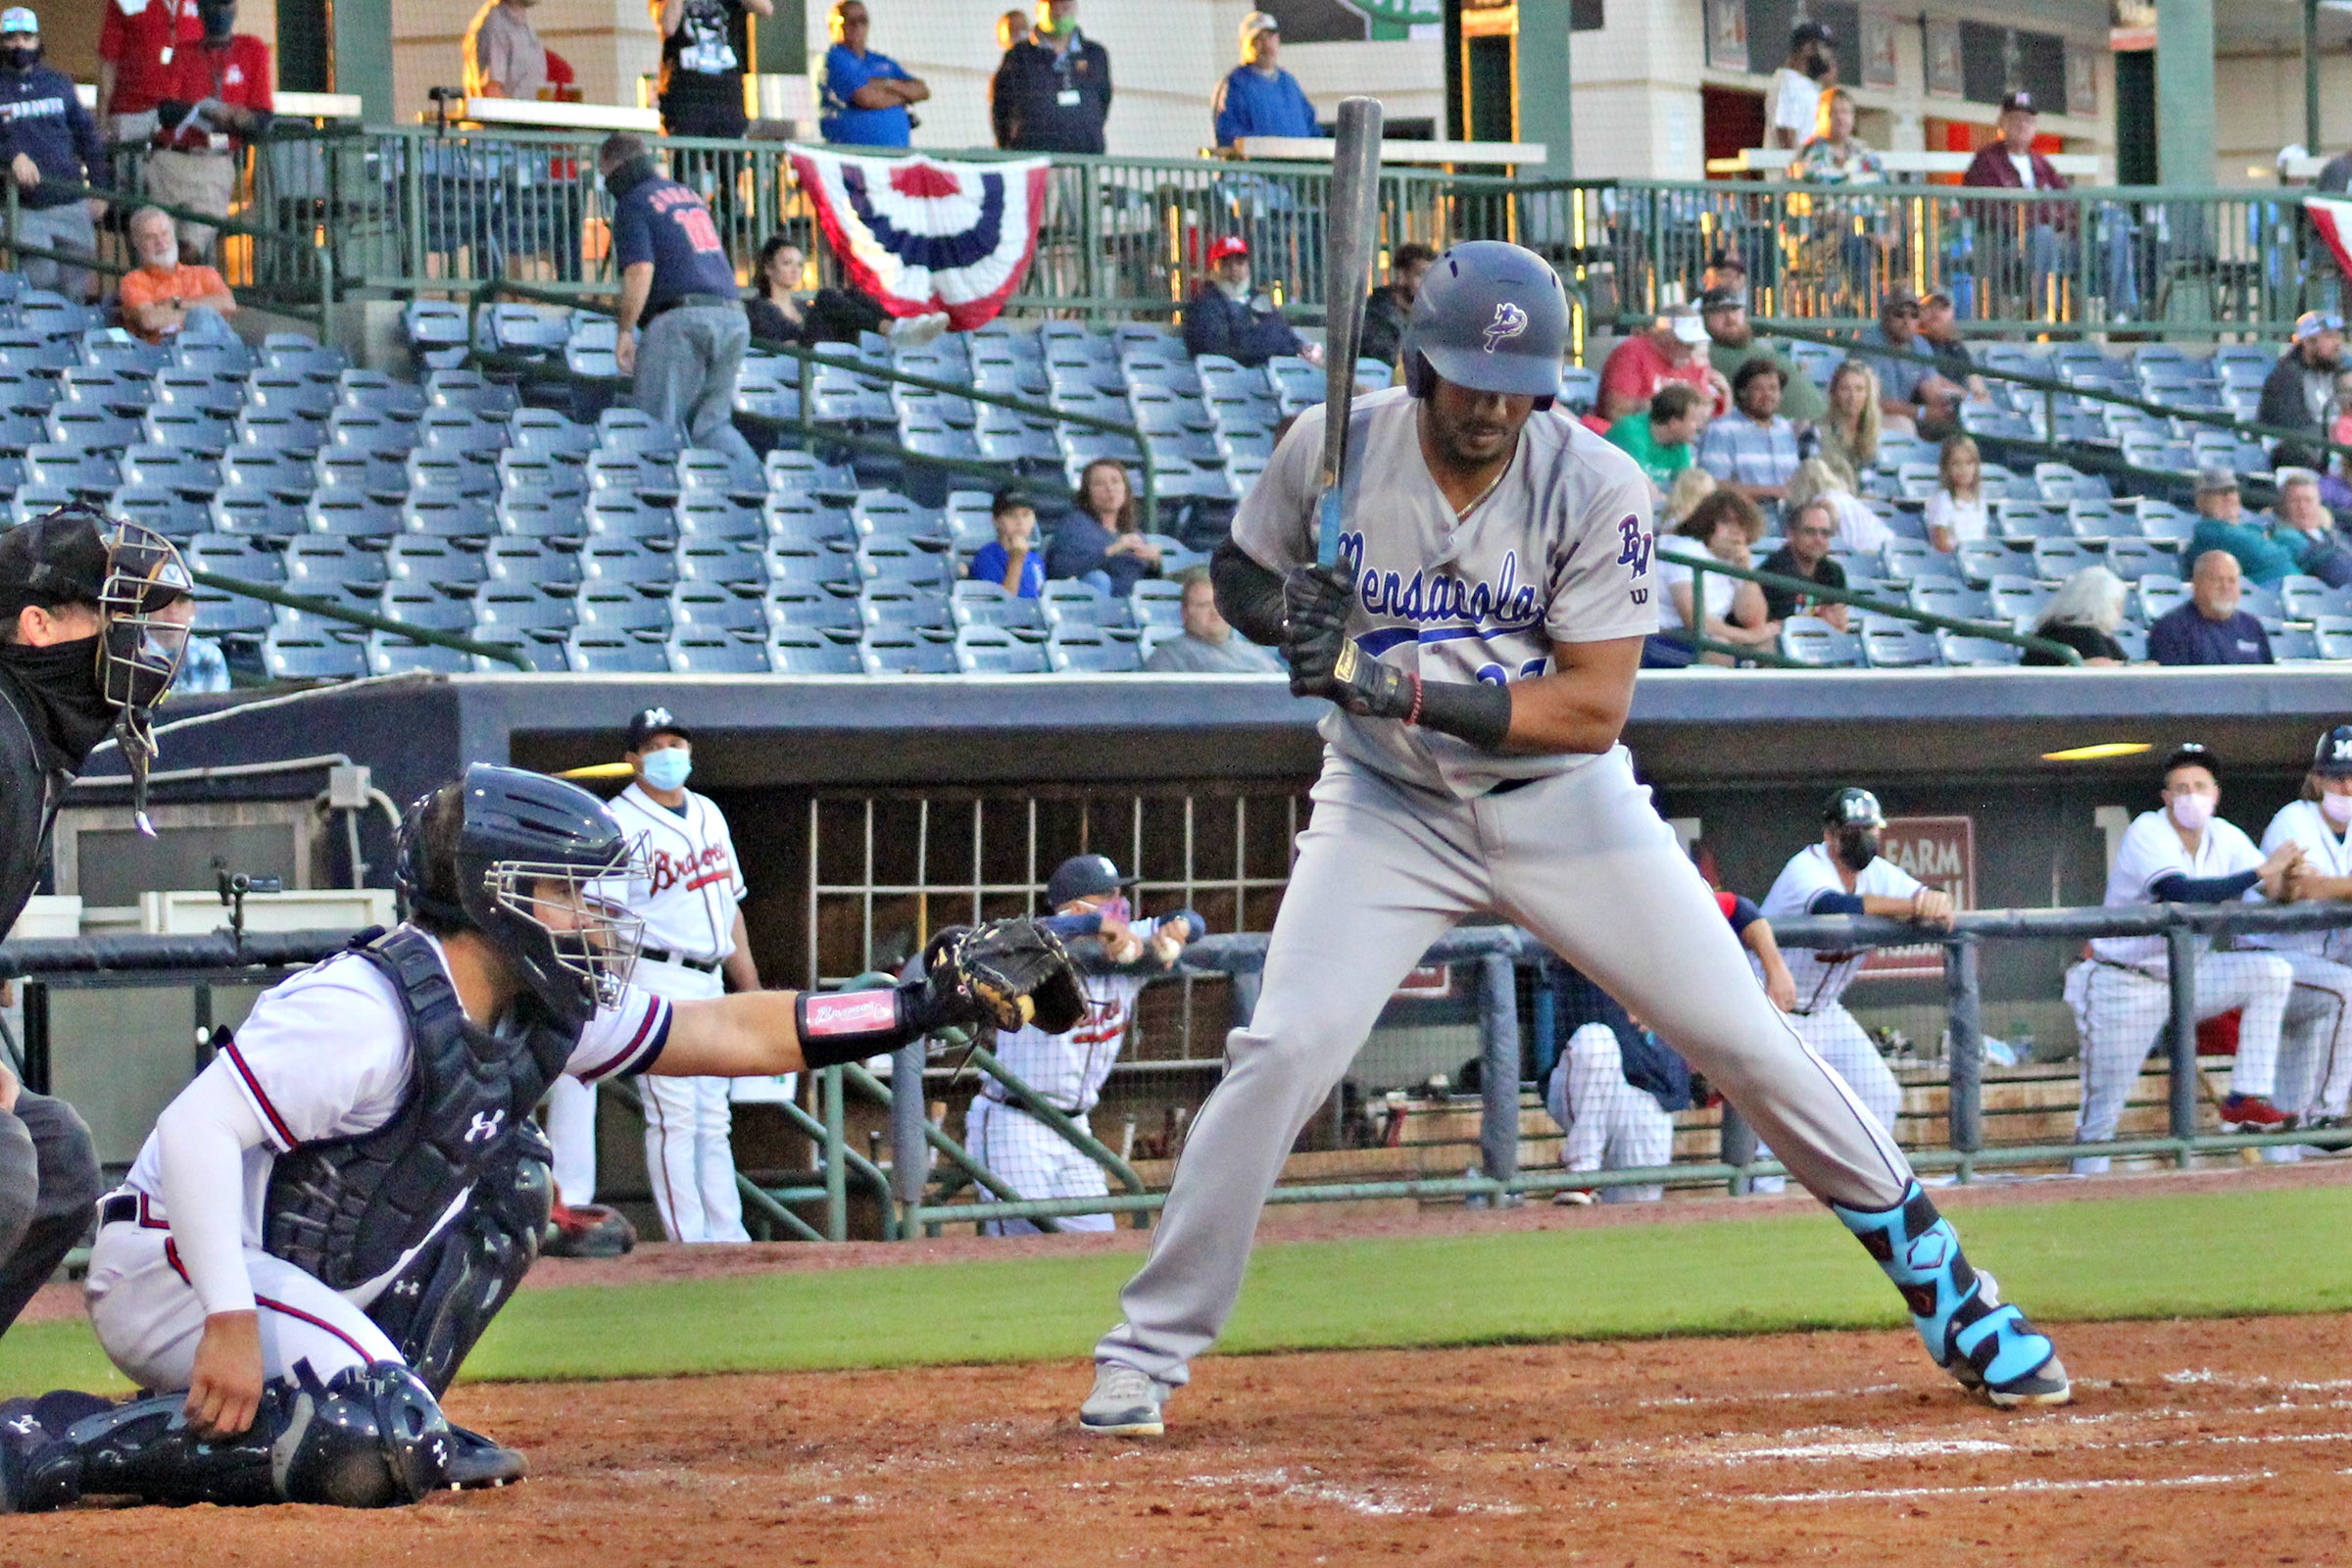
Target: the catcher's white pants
(689, 1154)
(149, 1318)
(1610, 1124)
(1035, 1162)
(1583, 861)
(570, 1120)
(2121, 1010)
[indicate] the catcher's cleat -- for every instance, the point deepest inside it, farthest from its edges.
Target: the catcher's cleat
(2254, 1113)
(476, 1461)
(587, 1230)
(1986, 1346)
(1125, 1404)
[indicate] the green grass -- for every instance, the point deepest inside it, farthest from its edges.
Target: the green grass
(2189, 1256)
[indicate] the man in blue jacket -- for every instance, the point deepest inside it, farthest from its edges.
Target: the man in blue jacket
(1226, 317)
(865, 95)
(45, 135)
(1258, 98)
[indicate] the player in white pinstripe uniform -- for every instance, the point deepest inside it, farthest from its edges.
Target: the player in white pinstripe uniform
(2315, 1057)
(694, 945)
(1069, 1070)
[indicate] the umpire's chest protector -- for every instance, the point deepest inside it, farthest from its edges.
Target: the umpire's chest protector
(345, 1210)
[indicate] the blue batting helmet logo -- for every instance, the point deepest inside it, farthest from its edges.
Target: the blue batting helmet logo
(1509, 321)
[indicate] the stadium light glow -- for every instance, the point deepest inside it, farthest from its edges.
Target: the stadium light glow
(2098, 753)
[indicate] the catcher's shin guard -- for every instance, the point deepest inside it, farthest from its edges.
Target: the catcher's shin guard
(1987, 1346)
(39, 1470)
(444, 1299)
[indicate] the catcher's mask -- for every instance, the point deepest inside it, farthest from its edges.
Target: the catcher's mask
(537, 866)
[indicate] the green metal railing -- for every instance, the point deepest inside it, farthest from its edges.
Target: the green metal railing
(295, 272)
(335, 609)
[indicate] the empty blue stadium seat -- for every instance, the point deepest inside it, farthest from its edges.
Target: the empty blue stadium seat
(609, 565)
(507, 611)
(735, 566)
(525, 564)
(718, 655)
(441, 513)
(93, 428)
(1964, 651)
(471, 391)
(558, 519)
(547, 431)
(423, 560)
(615, 516)
(702, 610)
(293, 657)
(352, 516)
(1891, 644)
(33, 499)
(171, 467)
(370, 430)
(799, 608)
(825, 571)
(986, 603)
(158, 506)
(592, 655)
(370, 473)
(808, 654)
(630, 430)
(448, 473)
(376, 390)
(1083, 651)
(88, 473)
(328, 567)
(280, 431)
(540, 330)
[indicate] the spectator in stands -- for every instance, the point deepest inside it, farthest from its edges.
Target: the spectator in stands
(2300, 390)
(203, 668)
(1860, 531)
(1731, 342)
(1013, 563)
(1914, 397)
(1011, 28)
(2010, 163)
(677, 283)
(1690, 486)
(1811, 528)
(1209, 646)
(1100, 542)
(1752, 449)
(1734, 611)
(1956, 512)
(1386, 310)
(1838, 157)
(163, 297)
(47, 136)
(2222, 525)
(1659, 438)
(774, 308)
(2301, 523)
(833, 316)
(2340, 413)
(1851, 424)
(1939, 327)
(2210, 629)
(1257, 97)
(1725, 270)
(135, 45)
(504, 57)
(1645, 361)
(2082, 615)
(865, 98)
(1228, 316)
(1794, 96)
(703, 43)
(218, 100)
(1052, 90)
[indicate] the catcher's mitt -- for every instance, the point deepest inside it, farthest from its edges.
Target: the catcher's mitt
(1011, 973)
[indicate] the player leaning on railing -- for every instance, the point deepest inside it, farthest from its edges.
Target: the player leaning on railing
(312, 1239)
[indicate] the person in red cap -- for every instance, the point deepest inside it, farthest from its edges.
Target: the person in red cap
(1225, 317)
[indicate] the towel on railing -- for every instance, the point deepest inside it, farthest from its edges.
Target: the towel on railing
(923, 236)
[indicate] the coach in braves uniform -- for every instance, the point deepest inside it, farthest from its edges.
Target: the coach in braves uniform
(2314, 1062)
(1068, 1070)
(2181, 853)
(694, 945)
(1480, 638)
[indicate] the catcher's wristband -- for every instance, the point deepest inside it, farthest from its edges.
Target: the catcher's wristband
(838, 1026)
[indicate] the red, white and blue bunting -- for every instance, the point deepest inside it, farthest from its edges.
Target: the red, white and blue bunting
(2331, 215)
(922, 236)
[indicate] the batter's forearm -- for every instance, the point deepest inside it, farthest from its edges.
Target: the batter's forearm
(1249, 595)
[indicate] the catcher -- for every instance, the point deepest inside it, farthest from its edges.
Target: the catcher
(312, 1239)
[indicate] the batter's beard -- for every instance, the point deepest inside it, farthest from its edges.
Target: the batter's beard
(1444, 439)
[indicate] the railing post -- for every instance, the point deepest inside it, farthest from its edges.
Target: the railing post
(1737, 1146)
(2180, 971)
(836, 1192)
(909, 1155)
(1964, 1111)
(1498, 1068)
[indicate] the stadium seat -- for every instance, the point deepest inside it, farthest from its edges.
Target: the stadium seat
(706, 610)
(166, 511)
(513, 611)
(819, 572)
(2056, 560)
(2333, 636)
(438, 332)
(1974, 653)
(257, 515)
(389, 654)
(292, 656)
(735, 566)
(2133, 640)
(633, 431)
(1580, 387)
(330, 569)
(1815, 644)
(2134, 558)
(2153, 594)
(985, 603)
(2263, 604)
(367, 473)
(472, 392)
(416, 560)
(1981, 560)
(617, 566)
(794, 608)
(1068, 603)
(1959, 601)
(890, 613)
(378, 393)
(922, 570)
(551, 568)
(280, 431)
(447, 513)
(704, 517)
(212, 356)
(799, 653)
(1159, 602)
(189, 472)
(993, 651)
(615, 610)
(1086, 651)
(2309, 599)
(2018, 598)
(418, 604)
(546, 432)
(616, 515)
(92, 429)
(2294, 645)
(351, 517)
(718, 655)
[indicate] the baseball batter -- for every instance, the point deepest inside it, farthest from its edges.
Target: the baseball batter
(2314, 1066)
(1069, 1068)
(2182, 854)
(1480, 639)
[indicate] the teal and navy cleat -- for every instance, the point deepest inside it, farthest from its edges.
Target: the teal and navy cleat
(1985, 1344)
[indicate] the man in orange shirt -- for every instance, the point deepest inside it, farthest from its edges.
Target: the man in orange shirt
(163, 299)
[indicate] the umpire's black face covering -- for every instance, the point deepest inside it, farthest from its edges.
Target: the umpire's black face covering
(63, 703)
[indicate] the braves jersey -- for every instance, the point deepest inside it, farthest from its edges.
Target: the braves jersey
(693, 886)
(2329, 853)
(326, 1055)
(2152, 851)
(1558, 552)
(1822, 977)
(1069, 1070)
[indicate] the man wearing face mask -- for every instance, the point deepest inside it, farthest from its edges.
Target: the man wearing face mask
(93, 620)
(1846, 874)
(47, 139)
(1228, 316)
(1052, 91)
(2182, 854)
(219, 101)
(2315, 1051)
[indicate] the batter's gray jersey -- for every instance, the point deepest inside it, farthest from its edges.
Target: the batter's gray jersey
(1558, 552)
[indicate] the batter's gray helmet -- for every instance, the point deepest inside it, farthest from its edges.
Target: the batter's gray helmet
(1492, 317)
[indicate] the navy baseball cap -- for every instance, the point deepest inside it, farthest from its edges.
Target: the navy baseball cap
(59, 559)
(1853, 808)
(1083, 876)
(649, 722)
(2332, 758)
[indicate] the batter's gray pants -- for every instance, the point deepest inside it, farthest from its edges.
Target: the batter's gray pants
(49, 1192)
(1584, 862)
(687, 363)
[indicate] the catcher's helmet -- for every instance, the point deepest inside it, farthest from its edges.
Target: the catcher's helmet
(2332, 757)
(1853, 808)
(1489, 316)
(528, 848)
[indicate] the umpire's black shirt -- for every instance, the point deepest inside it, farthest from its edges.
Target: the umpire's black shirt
(51, 715)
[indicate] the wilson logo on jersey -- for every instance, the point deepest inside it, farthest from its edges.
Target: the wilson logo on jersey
(694, 872)
(1509, 321)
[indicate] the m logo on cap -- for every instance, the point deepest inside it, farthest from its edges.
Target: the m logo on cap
(1509, 321)
(2342, 749)
(654, 718)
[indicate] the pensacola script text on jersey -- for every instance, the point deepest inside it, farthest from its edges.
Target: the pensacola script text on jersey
(1433, 596)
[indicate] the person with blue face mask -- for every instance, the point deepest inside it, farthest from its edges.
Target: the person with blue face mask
(696, 946)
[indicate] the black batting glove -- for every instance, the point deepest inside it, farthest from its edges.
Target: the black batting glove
(1314, 626)
(1370, 689)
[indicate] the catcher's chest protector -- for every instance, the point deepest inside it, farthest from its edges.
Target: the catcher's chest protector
(344, 1211)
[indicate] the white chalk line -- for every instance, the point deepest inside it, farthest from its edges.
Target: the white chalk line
(1891, 1493)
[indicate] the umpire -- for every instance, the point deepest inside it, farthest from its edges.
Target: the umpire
(93, 617)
